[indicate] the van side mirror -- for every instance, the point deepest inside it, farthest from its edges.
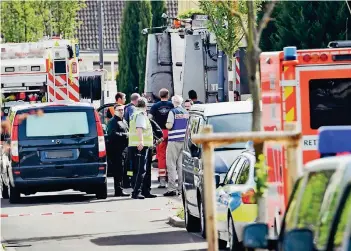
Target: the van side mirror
(255, 236)
(298, 239)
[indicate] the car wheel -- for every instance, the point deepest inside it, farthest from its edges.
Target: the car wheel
(234, 244)
(14, 194)
(101, 194)
(202, 219)
(192, 224)
(4, 191)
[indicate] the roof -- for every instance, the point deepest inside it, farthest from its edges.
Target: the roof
(43, 105)
(87, 33)
(223, 108)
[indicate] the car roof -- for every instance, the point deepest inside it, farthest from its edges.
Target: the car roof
(214, 109)
(328, 163)
(49, 104)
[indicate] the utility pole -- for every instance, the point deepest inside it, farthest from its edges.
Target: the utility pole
(101, 49)
(220, 76)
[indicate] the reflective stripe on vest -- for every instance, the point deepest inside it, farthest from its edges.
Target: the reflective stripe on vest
(147, 134)
(177, 133)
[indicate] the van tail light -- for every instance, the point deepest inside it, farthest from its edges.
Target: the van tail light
(101, 138)
(248, 197)
(14, 140)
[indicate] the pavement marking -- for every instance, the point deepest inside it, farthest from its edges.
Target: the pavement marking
(85, 212)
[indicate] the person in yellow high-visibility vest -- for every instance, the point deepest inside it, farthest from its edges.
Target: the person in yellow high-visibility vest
(140, 142)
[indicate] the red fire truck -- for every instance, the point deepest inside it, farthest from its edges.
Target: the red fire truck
(311, 88)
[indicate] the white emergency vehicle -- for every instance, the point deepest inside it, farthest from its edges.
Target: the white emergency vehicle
(43, 71)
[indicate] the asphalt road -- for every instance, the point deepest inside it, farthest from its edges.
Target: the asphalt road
(74, 221)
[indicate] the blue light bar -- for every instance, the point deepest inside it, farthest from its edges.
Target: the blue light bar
(290, 53)
(334, 139)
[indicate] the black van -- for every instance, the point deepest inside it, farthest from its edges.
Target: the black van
(56, 146)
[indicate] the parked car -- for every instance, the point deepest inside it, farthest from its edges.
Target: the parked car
(236, 205)
(224, 117)
(62, 148)
(317, 216)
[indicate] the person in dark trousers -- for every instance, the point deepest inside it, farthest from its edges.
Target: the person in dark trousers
(158, 137)
(117, 131)
(159, 113)
(140, 142)
(237, 96)
(129, 109)
(193, 96)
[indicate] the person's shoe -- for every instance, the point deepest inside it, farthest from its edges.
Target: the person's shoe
(170, 193)
(149, 196)
(122, 194)
(138, 196)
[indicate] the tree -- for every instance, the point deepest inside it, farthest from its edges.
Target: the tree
(253, 33)
(188, 13)
(158, 8)
(131, 64)
(307, 25)
(145, 22)
(25, 21)
(19, 22)
(223, 24)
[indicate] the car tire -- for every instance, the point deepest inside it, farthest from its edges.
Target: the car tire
(234, 244)
(4, 191)
(192, 224)
(202, 219)
(101, 194)
(222, 244)
(14, 194)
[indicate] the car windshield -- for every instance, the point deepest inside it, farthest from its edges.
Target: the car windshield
(237, 122)
(51, 124)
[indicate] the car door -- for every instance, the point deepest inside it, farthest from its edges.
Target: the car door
(189, 180)
(340, 238)
(242, 203)
(104, 118)
(222, 197)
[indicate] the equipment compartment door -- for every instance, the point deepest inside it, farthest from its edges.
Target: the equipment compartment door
(325, 100)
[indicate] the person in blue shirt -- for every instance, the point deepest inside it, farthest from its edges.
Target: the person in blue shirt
(193, 96)
(159, 113)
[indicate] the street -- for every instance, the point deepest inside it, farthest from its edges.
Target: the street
(70, 220)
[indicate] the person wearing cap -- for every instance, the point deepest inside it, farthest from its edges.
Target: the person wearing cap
(117, 131)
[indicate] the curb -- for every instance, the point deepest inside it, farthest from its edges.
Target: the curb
(176, 222)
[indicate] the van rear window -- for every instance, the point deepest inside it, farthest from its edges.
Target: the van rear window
(57, 124)
(330, 102)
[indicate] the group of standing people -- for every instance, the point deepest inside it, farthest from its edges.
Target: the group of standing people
(133, 132)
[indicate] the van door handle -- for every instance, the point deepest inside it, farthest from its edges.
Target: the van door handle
(59, 166)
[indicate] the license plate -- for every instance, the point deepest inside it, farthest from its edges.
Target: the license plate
(58, 154)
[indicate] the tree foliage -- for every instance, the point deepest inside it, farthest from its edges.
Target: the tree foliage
(226, 26)
(307, 24)
(25, 21)
(131, 65)
(145, 22)
(188, 13)
(158, 8)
